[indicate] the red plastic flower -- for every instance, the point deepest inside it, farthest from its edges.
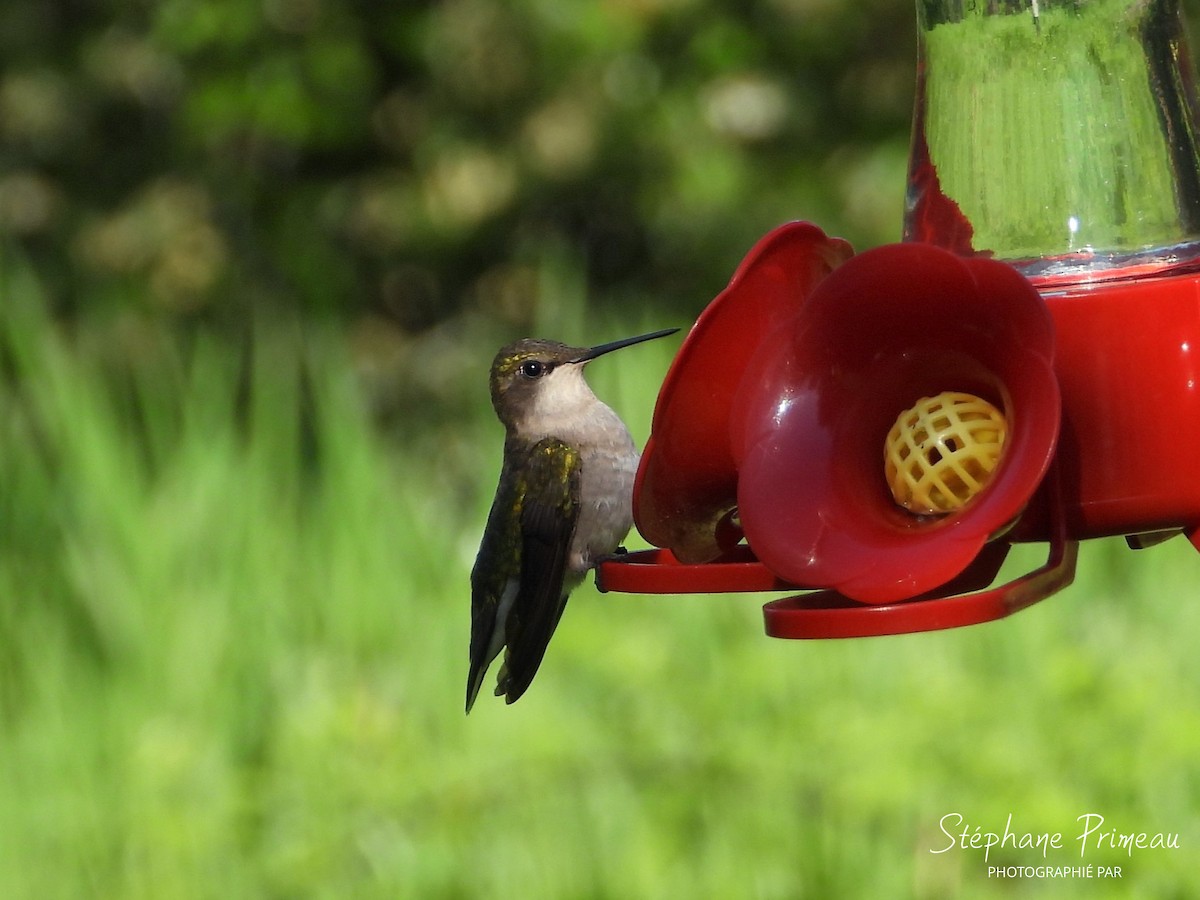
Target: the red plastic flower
(687, 484)
(805, 392)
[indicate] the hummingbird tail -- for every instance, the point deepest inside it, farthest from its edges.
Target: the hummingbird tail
(474, 682)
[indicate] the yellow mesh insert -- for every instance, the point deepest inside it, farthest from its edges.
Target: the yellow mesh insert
(942, 452)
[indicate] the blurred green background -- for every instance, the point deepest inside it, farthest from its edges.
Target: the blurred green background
(255, 258)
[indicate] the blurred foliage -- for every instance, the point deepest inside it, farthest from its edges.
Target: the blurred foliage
(412, 162)
(233, 635)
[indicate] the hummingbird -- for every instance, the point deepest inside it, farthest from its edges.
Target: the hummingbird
(563, 504)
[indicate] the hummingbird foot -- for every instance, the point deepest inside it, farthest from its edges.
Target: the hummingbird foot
(616, 554)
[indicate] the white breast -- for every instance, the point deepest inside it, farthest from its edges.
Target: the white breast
(567, 409)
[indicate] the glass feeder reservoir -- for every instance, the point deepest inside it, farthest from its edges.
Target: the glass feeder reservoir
(1062, 131)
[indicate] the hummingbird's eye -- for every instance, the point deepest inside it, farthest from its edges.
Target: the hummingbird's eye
(533, 368)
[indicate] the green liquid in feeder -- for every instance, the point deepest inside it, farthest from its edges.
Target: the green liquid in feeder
(1064, 131)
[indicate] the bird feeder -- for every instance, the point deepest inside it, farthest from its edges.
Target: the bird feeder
(873, 432)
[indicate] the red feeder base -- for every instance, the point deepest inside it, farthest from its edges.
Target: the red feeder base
(827, 614)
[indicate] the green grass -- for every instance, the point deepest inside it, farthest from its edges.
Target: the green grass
(233, 650)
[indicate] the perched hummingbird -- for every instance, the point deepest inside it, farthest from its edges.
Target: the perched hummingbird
(562, 505)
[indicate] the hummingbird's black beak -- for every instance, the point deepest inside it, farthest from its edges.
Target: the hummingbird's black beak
(601, 349)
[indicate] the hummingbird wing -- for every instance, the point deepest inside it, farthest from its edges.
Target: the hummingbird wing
(517, 591)
(496, 575)
(549, 513)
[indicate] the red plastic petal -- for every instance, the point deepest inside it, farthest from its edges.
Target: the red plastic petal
(687, 482)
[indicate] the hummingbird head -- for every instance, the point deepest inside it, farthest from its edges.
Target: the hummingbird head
(535, 382)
